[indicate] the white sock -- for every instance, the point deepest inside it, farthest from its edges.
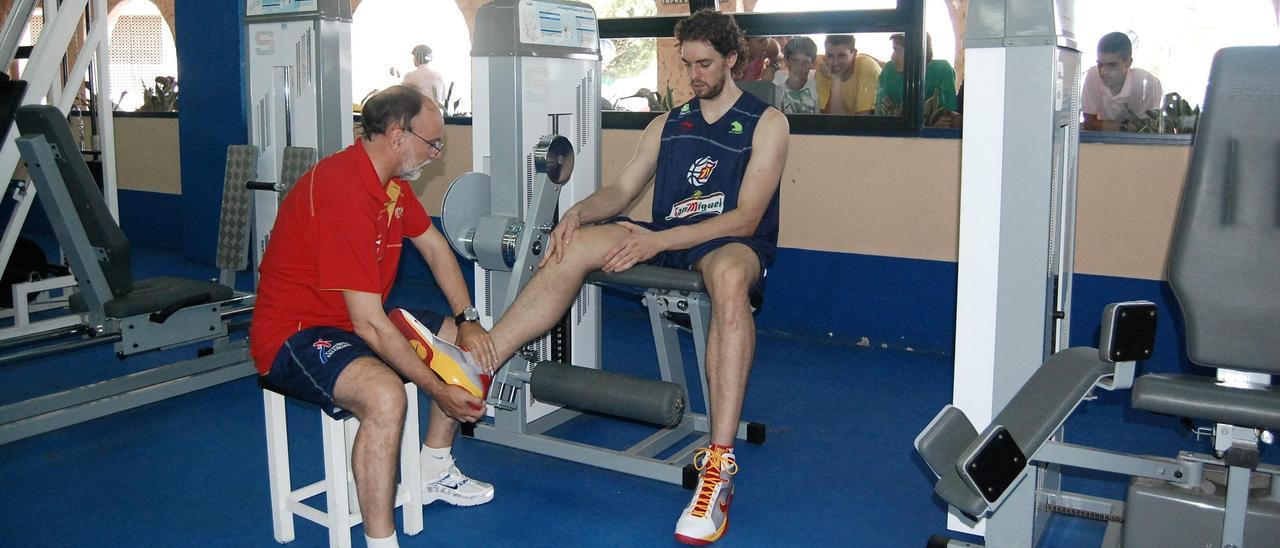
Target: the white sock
(434, 461)
(388, 542)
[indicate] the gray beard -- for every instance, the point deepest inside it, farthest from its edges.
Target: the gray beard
(413, 173)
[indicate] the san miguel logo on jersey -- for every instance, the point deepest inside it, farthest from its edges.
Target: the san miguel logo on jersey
(700, 171)
(712, 204)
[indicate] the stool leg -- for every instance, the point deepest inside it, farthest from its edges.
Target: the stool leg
(278, 465)
(410, 469)
(337, 505)
(350, 427)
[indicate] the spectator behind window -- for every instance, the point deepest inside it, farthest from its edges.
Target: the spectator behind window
(797, 83)
(939, 84)
(1115, 93)
(846, 80)
(427, 81)
(762, 59)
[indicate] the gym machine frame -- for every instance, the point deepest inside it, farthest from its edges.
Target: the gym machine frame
(536, 69)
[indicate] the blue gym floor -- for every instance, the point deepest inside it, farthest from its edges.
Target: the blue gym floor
(838, 468)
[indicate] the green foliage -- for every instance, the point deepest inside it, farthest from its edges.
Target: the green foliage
(161, 98)
(631, 55)
(450, 108)
(1174, 117)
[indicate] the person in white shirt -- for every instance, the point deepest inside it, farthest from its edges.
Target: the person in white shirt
(426, 81)
(1114, 92)
(799, 92)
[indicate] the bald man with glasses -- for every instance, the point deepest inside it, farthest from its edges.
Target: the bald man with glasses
(320, 331)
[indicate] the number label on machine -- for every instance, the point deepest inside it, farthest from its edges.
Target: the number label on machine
(549, 24)
(274, 7)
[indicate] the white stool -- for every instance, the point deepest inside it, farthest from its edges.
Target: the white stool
(338, 485)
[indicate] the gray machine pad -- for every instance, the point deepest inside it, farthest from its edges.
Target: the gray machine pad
(1204, 398)
(651, 277)
(646, 400)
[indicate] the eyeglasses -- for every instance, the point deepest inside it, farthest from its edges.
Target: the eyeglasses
(437, 144)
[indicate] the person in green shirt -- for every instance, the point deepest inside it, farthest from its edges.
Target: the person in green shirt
(939, 83)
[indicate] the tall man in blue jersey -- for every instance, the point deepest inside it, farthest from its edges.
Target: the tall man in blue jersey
(718, 162)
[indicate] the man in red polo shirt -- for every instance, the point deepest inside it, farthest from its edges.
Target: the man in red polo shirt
(320, 332)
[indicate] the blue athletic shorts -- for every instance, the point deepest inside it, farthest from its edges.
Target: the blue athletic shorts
(309, 363)
(686, 259)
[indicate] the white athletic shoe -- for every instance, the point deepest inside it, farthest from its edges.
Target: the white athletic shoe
(455, 488)
(707, 517)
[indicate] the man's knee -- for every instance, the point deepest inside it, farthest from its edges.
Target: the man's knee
(371, 390)
(729, 280)
(590, 244)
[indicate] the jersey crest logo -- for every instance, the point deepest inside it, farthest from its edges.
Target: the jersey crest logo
(700, 171)
(711, 204)
(684, 110)
(735, 128)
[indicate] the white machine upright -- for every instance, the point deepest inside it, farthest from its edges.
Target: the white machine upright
(546, 81)
(299, 77)
(1017, 220)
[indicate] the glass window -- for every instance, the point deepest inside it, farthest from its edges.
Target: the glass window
(142, 58)
(384, 35)
(791, 6)
(1175, 39)
(1173, 43)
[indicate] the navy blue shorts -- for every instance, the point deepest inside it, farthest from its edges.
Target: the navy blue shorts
(687, 259)
(309, 363)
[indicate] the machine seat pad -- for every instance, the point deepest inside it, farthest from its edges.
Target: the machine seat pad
(154, 294)
(1200, 397)
(656, 277)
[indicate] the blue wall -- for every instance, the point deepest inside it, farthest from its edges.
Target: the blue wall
(211, 114)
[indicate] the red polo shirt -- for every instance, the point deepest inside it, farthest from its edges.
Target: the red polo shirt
(338, 230)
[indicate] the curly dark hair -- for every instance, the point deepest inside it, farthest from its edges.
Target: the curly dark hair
(715, 28)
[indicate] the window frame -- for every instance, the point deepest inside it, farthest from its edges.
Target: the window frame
(907, 18)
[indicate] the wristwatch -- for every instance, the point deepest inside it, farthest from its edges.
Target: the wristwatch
(468, 314)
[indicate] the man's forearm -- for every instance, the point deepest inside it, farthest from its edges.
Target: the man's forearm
(736, 223)
(601, 205)
(448, 276)
(390, 345)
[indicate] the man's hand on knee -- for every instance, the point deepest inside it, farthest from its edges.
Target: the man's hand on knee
(638, 246)
(561, 237)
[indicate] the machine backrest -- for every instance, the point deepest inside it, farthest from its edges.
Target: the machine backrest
(295, 163)
(763, 90)
(100, 227)
(1224, 263)
(11, 92)
(236, 217)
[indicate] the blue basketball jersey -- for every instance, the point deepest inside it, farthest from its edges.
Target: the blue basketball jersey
(701, 166)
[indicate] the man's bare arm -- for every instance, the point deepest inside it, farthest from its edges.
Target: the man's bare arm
(611, 199)
(768, 158)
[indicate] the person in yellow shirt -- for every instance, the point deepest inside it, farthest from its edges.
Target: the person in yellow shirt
(849, 77)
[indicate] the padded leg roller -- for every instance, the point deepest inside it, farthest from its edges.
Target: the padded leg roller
(646, 400)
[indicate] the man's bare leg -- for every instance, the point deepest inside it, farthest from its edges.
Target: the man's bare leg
(442, 428)
(545, 298)
(729, 274)
(375, 394)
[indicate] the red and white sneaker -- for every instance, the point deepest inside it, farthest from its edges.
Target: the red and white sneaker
(707, 517)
